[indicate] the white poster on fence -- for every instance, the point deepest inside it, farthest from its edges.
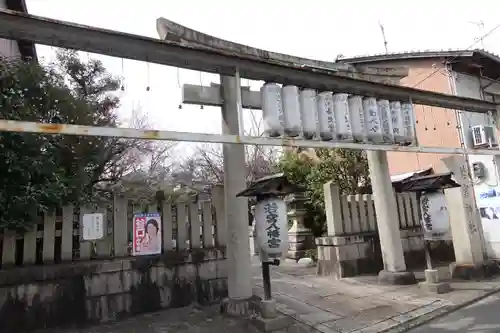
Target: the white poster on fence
(435, 218)
(488, 202)
(147, 234)
(93, 226)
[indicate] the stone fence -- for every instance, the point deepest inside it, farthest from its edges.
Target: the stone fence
(352, 246)
(51, 277)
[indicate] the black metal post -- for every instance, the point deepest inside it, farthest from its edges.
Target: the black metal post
(266, 277)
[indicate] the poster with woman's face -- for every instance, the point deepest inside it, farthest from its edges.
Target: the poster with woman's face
(490, 213)
(488, 202)
(147, 234)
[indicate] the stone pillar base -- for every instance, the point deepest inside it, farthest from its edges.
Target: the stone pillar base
(296, 254)
(241, 307)
(278, 323)
(435, 288)
(300, 241)
(268, 308)
(261, 314)
(396, 278)
(481, 270)
(432, 283)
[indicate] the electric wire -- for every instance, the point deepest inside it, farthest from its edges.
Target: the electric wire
(454, 58)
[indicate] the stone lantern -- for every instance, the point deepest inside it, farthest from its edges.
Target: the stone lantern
(300, 238)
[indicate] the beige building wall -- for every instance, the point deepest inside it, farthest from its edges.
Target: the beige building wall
(435, 126)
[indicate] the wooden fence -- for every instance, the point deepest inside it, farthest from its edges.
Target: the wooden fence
(56, 238)
(356, 213)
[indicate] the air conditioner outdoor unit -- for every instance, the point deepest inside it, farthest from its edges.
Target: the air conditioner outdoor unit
(484, 136)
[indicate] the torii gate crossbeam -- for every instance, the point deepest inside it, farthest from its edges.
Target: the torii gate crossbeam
(22, 26)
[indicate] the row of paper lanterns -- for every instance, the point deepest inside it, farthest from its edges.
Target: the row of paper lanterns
(289, 111)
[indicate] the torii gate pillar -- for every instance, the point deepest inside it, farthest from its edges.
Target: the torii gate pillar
(386, 211)
(236, 208)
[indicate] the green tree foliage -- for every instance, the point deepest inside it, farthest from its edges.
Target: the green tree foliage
(346, 168)
(41, 172)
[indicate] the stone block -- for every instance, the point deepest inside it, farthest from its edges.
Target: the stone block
(164, 275)
(268, 308)
(104, 313)
(241, 307)
(417, 243)
(338, 240)
(114, 283)
(321, 252)
(187, 272)
(365, 250)
(116, 306)
(20, 291)
(431, 275)
(326, 267)
(207, 270)
(222, 269)
(93, 307)
(481, 270)
(165, 296)
(396, 278)
(96, 285)
(435, 288)
(211, 254)
(110, 266)
(130, 279)
(347, 252)
(127, 303)
(406, 244)
(221, 253)
(46, 291)
(153, 274)
(126, 264)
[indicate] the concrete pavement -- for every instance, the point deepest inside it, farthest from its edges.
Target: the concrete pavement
(481, 317)
(361, 305)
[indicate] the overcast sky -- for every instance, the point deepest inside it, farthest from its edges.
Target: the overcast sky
(319, 29)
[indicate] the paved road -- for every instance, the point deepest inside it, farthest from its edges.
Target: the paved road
(481, 317)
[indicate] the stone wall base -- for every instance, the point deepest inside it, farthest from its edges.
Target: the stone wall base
(350, 256)
(481, 270)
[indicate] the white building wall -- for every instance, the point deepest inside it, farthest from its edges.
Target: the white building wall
(470, 86)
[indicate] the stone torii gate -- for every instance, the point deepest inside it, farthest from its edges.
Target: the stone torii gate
(230, 96)
(230, 60)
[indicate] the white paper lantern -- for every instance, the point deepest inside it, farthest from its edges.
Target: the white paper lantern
(397, 122)
(291, 110)
(326, 117)
(373, 124)
(409, 123)
(384, 108)
(435, 217)
(357, 115)
(272, 110)
(341, 110)
(309, 113)
(272, 226)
